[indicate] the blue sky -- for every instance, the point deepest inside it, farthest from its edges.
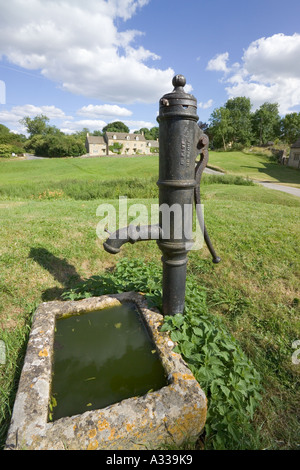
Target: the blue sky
(88, 63)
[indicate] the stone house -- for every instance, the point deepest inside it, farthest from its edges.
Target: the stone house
(132, 144)
(294, 158)
(153, 144)
(95, 145)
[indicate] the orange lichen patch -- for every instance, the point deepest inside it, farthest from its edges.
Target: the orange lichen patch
(93, 445)
(74, 427)
(92, 433)
(112, 434)
(184, 423)
(178, 376)
(129, 427)
(103, 424)
(43, 353)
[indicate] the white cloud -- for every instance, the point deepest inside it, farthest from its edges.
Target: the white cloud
(95, 111)
(137, 125)
(206, 105)
(69, 127)
(16, 113)
(269, 71)
(78, 45)
(218, 63)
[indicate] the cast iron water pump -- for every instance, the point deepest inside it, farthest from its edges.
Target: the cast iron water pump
(180, 142)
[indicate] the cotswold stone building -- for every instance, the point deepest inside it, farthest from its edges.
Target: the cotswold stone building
(294, 158)
(95, 146)
(113, 143)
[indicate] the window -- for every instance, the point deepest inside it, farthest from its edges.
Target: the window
(296, 157)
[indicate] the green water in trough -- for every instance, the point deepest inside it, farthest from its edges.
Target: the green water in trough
(101, 358)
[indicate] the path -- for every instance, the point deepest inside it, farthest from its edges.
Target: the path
(280, 187)
(266, 184)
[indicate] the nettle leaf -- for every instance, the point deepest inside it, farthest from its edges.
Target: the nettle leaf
(176, 336)
(198, 331)
(186, 349)
(178, 320)
(168, 324)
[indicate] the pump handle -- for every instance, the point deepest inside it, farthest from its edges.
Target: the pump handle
(200, 166)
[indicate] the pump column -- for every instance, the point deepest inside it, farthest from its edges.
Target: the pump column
(178, 133)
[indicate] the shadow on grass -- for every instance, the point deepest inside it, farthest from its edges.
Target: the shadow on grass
(282, 174)
(60, 269)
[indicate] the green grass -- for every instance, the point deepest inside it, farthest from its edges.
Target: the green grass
(254, 166)
(103, 169)
(49, 245)
(84, 179)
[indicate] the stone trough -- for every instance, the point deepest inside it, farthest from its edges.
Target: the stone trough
(170, 415)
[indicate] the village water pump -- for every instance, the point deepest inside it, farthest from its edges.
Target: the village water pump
(180, 142)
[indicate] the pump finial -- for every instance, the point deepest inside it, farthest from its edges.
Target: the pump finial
(179, 80)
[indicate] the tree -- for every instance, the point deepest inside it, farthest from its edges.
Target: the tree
(154, 131)
(36, 126)
(240, 120)
(266, 123)
(14, 142)
(7, 150)
(55, 146)
(149, 134)
(290, 127)
(220, 127)
(116, 126)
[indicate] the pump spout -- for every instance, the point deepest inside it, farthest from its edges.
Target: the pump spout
(131, 234)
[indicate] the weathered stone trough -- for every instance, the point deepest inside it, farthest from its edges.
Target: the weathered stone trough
(171, 414)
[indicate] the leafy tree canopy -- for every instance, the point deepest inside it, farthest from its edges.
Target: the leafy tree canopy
(116, 126)
(150, 134)
(266, 123)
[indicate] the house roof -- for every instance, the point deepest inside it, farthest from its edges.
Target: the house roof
(153, 143)
(124, 136)
(296, 144)
(95, 139)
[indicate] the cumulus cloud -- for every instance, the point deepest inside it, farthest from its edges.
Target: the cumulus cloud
(69, 127)
(137, 125)
(206, 105)
(94, 111)
(269, 71)
(16, 113)
(219, 63)
(77, 44)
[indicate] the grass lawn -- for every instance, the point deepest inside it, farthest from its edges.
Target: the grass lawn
(257, 167)
(49, 245)
(63, 169)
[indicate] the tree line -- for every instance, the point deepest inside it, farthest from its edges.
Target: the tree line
(234, 125)
(46, 140)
